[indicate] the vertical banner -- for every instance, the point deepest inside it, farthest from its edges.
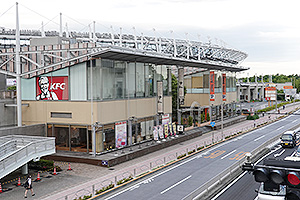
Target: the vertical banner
(170, 129)
(160, 97)
(180, 86)
(174, 128)
(224, 86)
(121, 134)
(166, 127)
(212, 86)
(161, 132)
(155, 133)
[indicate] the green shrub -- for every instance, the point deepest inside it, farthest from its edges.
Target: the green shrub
(42, 165)
(12, 88)
(252, 117)
(181, 156)
(190, 120)
(111, 185)
(190, 152)
(124, 180)
(200, 148)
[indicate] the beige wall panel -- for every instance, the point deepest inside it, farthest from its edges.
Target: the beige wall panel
(202, 99)
(197, 82)
(187, 82)
(104, 112)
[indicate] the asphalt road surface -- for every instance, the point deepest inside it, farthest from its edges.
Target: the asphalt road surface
(179, 181)
(244, 187)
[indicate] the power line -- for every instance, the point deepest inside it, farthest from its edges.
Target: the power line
(7, 10)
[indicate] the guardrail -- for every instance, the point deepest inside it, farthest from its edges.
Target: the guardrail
(31, 148)
(149, 166)
(7, 148)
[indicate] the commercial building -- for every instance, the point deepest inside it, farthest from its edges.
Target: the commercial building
(106, 91)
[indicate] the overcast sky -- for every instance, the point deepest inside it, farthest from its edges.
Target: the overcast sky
(267, 30)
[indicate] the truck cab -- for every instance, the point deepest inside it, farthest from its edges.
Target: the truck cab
(288, 139)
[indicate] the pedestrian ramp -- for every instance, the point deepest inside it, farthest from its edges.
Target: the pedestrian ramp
(17, 150)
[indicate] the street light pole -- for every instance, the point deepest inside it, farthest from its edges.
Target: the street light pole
(18, 69)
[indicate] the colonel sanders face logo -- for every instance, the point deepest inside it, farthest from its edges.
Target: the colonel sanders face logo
(45, 93)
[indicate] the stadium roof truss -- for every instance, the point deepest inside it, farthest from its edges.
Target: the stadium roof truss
(37, 60)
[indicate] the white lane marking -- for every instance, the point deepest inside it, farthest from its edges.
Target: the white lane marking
(262, 128)
(294, 121)
(280, 128)
(293, 153)
(169, 188)
(228, 154)
(256, 198)
(235, 180)
(279, 154)
(259, 138)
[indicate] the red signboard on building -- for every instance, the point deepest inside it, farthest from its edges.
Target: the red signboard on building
(52, 88)
(212, 86)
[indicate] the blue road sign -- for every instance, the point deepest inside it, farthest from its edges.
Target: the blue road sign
(212, 124)
(104, 162)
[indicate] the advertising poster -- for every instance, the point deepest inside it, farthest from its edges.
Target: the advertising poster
(166, 127)
(165, 119)
(161, 132)
(121, 134)
(212, 86)
(52, 88)
(155, 133)
(224, 86)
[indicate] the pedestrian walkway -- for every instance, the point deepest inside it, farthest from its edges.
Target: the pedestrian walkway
(84, 177)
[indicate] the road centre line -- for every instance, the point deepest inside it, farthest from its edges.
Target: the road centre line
(279, 128)
(259, 138)
(228, 154)
(169, 188)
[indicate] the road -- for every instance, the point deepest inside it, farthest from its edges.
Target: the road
(244, 187)
(179, 181)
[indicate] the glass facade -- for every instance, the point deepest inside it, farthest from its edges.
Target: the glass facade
(119, 80)
(199, 83)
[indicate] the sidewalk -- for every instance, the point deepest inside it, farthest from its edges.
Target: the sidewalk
(79, 181)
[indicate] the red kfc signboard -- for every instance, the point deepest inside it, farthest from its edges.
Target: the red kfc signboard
(52, 88)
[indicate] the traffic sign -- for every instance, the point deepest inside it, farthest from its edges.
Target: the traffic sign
(212, 124)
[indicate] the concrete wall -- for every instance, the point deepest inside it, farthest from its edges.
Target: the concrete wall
(7, 114)
(2, 82)
(33, 130)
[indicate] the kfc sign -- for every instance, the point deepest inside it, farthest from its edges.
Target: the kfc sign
(52, 88)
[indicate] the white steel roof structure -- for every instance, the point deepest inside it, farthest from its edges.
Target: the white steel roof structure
(36, 60)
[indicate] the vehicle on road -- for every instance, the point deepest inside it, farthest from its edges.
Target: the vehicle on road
(271, 192)
(288, 139)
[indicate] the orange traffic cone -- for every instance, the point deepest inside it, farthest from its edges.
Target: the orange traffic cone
(38, 177)
(0, 188)
(19, 181)
(69, 167)
(54, 172)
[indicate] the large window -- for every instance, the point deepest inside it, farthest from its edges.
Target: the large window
(140, 80)
(108, 77)
(120, 79)
(95, 79)
(131, 80)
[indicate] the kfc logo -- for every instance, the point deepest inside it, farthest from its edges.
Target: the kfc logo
(52, 88)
